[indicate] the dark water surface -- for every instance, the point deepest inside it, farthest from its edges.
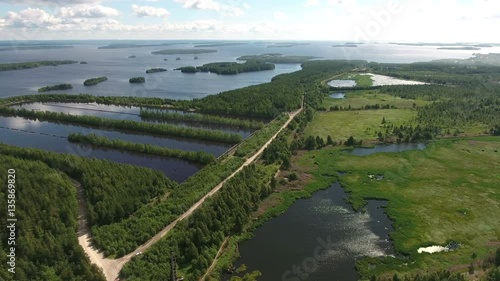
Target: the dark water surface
(359, 151)
(320, 236)
(123, 113)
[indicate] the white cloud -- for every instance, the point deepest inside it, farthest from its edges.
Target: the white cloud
(49, 2)
(31, 18)
(280, 15)
(87, 11)
(148, 11)
(311, 3)
(227, 10)
(200, 4)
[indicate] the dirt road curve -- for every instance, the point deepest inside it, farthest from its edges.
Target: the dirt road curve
(111, 267)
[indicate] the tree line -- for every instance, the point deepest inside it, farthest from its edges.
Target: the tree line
(94, 140)
(33, 64)
(195, 241)
(113, 191)
(46, 210)
(94, 81)
(57, 87)
(143, 127)
(229, 68)
(200, 118)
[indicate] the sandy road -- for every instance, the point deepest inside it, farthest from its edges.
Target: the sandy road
(111, 267)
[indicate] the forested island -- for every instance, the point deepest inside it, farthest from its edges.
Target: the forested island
(94, 81)
(131, 45)
(155, 70)
(229, 68)
(287, 45)
(199, 118)
(57, 87)
(135, 126)
(94, 140)
(228, 44)
(183, 52)
(345, 45)
(34, 64)
(137, 80)
(35, 47)
(277, 58)
(466, 48)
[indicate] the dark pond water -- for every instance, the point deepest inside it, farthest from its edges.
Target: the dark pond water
(318, 239)
(63, 130)
(386, 148)
(337, 96)
(174, 169)
(121, 113)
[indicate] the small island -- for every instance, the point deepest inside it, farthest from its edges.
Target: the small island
(132, 57)
(165, 59)
(228, 44)
(83, 62)
(33, 64)
(137, 80)
(196, 58)
(178, 58)
(287, 45)
(55, 88)
(277, 58)
(183, 52)
(229, 68)
(345, 45)
(155, 70)
(465, 48)
(94, 81)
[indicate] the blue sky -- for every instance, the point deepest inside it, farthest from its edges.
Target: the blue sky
(374, 20)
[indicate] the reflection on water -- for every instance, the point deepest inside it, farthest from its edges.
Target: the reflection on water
(360, 151)
(337, 96)
(342, 83)
(319, 237)
(122, 113)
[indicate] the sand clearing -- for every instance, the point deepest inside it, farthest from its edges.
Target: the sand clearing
(382, 80)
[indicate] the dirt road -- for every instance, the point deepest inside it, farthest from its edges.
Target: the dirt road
(111, 267)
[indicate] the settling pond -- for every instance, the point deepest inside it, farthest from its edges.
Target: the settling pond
(321, 236)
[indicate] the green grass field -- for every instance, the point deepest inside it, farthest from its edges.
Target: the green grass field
(448, 192)
(360, 124)
(358, 99)
(361, 80)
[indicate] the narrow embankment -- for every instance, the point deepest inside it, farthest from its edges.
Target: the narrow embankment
(111, 267)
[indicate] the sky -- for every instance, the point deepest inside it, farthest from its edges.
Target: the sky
(325, 20)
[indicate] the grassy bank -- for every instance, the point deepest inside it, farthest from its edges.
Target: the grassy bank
(427, 207)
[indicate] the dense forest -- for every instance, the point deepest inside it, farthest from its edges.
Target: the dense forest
(46, 209)
(113, 191)
(107, 123)
(94, 81)
(94, 140)
(123, 237)
(196, 240)
(200, 118)
(34, 64)
(137, 80)
(57, 87)
(229, 68)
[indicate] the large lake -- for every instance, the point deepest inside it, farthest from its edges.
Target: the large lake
(115, 64)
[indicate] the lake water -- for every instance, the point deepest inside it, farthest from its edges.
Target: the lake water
(321, 235)
(115, 64)
(123, 113)
(337, 96)
(361, 151)
(342, 83)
